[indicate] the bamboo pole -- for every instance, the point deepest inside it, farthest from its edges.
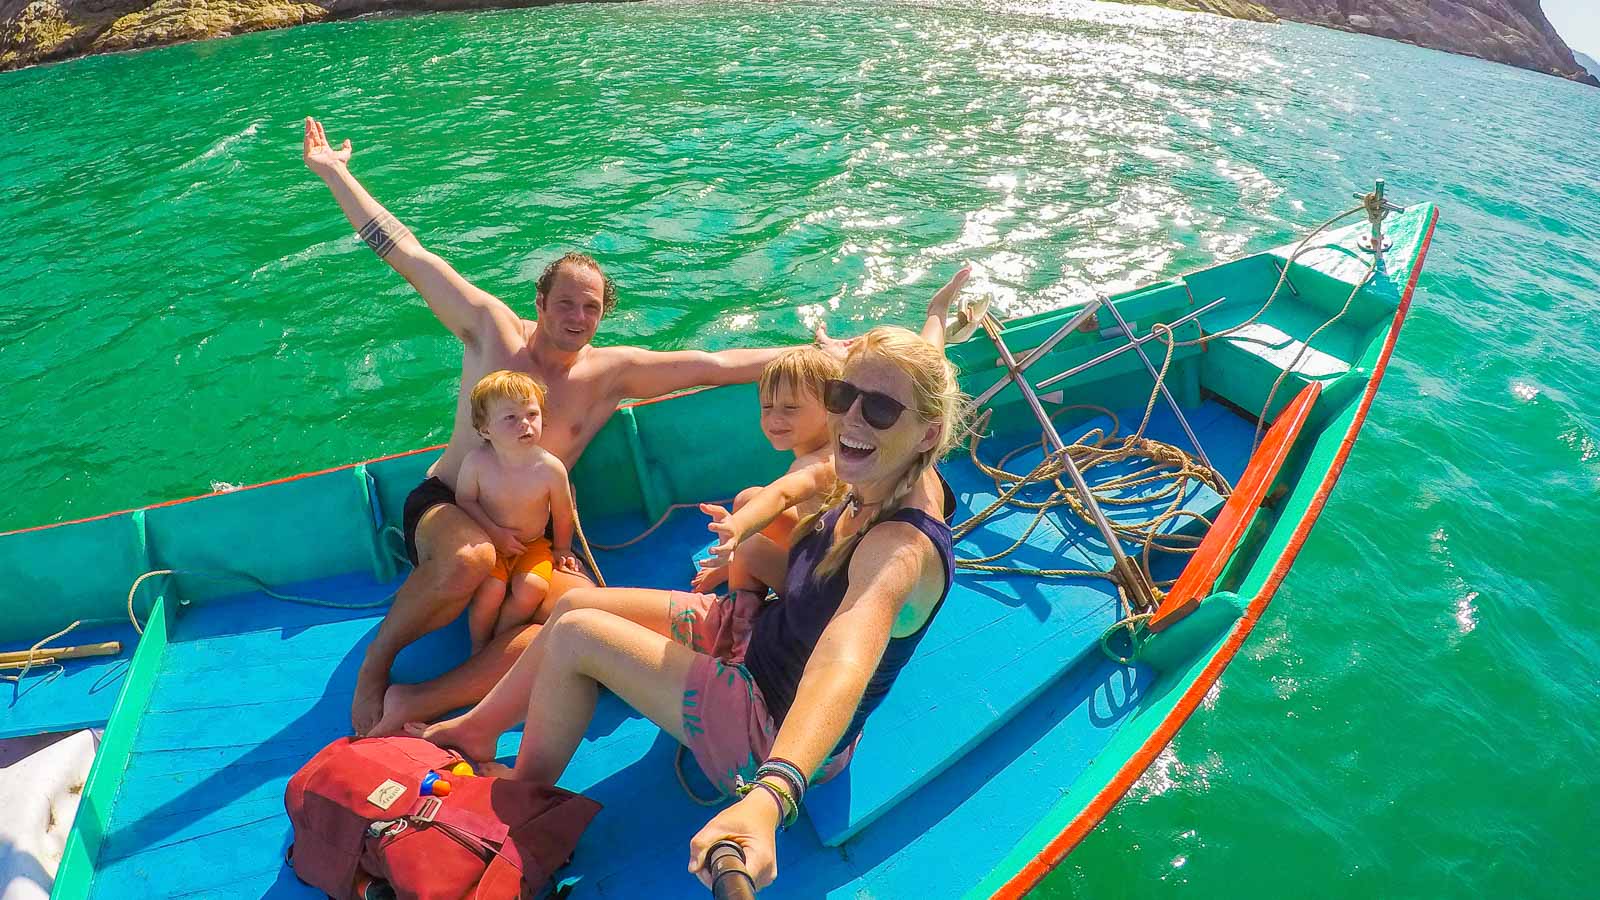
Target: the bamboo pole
(20, 664)
(19, 658)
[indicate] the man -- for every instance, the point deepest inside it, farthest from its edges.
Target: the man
(584, 384)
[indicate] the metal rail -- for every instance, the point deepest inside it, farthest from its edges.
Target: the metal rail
(1127, 572)
(1161, 385)
(1109, 354)
(1037, 353)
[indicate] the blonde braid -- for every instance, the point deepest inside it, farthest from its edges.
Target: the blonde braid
(838, 553)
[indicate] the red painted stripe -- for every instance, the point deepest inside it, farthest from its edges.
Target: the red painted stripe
(1054, 852)
(251, 487)
(248, 487)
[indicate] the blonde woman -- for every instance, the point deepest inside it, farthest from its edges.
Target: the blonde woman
(775, 696)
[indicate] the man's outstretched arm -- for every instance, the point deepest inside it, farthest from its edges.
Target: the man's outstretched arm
(463, 309)
(649, 373)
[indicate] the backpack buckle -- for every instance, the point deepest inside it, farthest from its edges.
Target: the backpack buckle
(426, 811)
(383, 828)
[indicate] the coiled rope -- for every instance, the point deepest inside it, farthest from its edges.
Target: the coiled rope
(1161, 461)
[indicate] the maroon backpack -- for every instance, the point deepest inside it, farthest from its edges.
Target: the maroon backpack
(358, 810)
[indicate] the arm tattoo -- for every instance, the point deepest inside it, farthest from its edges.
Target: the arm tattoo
(383, 232)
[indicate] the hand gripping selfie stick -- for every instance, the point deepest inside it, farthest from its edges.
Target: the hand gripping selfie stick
(729, 880)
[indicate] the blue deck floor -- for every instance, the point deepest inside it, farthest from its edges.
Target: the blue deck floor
(1006, 702)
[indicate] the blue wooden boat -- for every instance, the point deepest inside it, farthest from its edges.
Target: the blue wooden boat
(1023, 719)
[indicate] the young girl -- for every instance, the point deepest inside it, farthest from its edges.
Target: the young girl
(763, 518)
(792, 418)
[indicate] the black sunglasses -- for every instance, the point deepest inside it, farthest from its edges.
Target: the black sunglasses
(880, 410)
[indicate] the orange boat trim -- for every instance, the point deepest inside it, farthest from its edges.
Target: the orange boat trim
(1202, 570)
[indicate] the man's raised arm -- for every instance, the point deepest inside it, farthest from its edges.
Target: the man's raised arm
(463, 309)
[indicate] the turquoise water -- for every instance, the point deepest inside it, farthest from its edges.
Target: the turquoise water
(184, 307)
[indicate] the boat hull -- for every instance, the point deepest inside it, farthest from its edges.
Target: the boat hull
(1008, 739)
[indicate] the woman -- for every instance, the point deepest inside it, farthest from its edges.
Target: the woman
(789, 682)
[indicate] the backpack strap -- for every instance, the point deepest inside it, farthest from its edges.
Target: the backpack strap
(486, 836)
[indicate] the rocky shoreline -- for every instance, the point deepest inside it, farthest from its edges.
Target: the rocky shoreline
(41, 31)
(1514, 32)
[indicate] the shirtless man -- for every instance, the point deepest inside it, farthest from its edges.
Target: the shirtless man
(584, 383)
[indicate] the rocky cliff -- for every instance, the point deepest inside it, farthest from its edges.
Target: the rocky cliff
(36, 31)
(1514, 32)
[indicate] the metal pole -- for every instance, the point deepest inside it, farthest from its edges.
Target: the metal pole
(1109, 354)
(1286, 279)
(1162, 386)
(1375, 243)
(1125, 568)
(1034, 355)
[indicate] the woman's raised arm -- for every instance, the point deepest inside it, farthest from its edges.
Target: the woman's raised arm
(939, 308)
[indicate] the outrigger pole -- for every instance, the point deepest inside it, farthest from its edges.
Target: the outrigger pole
(1126, 571)
(1162, 386)
(1111, 354)
(1038, 352)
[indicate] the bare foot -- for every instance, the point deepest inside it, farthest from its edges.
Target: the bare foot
(492, 769)
(707, 580)
(455, 734)
(366, 709)
(398, 709)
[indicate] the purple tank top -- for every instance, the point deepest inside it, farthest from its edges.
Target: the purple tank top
(787, 630)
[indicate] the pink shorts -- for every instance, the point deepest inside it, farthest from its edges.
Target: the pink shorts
(725, 718)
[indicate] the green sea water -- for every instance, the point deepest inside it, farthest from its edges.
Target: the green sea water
(182, 307)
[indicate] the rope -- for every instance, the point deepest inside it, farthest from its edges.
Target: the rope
(37, 658)
(683, 781)
(1137, 627)
(588, 547)
(1306, 345)
(1283, 277)
(588, 555)
(259, 585)
(657, 524)
(1097, 447)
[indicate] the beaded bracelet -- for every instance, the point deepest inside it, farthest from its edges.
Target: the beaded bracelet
(788, 810)
(788, 774)
(777, 762)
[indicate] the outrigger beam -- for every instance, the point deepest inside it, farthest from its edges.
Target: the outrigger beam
(1126, 571)
(1111, 354)
(1162, 386)
(1037, 353)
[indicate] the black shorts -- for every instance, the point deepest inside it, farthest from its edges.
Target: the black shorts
(425, 496)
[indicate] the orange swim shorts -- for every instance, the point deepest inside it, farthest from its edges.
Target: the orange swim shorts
(536, 559)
